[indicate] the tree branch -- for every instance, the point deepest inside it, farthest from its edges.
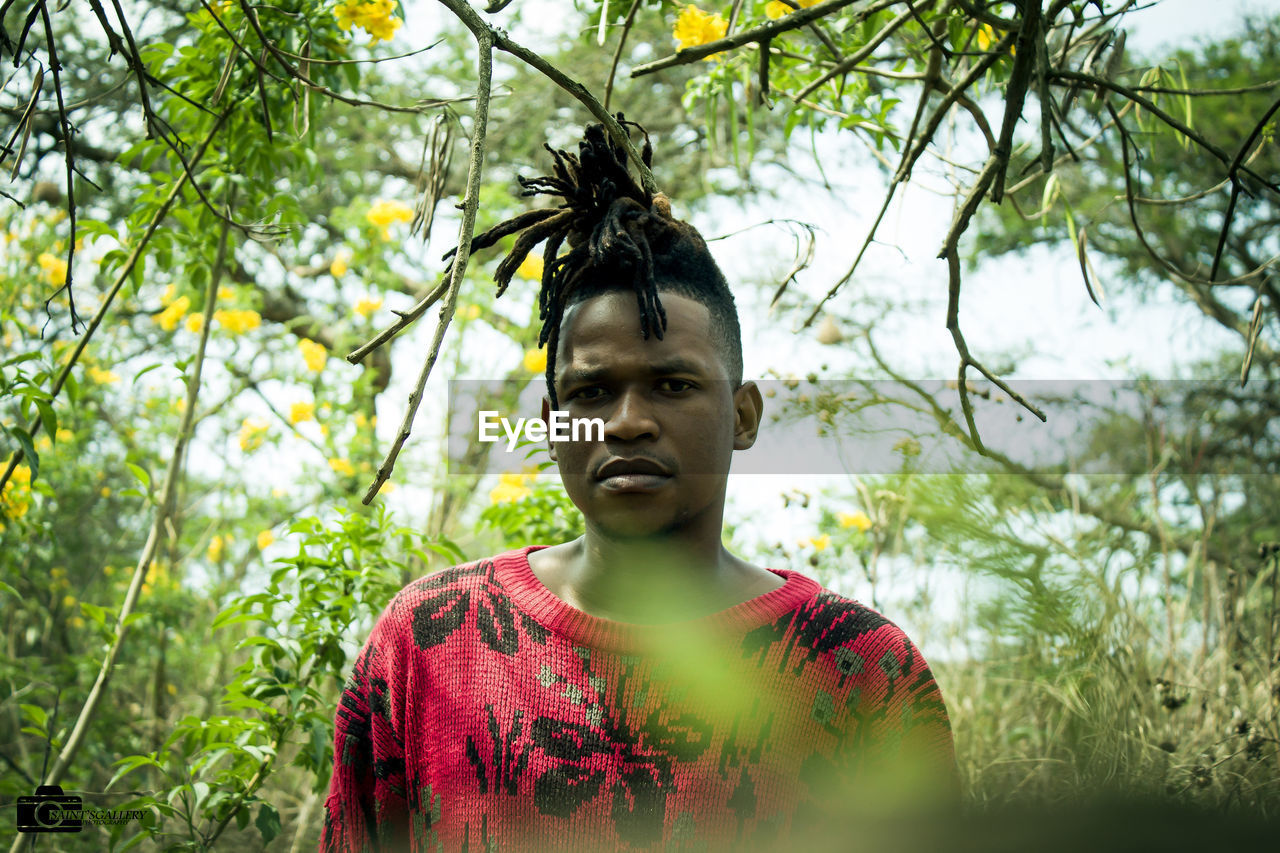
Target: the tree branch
(475, 171)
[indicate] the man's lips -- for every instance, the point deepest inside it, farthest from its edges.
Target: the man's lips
(637, 474)
(636, 465)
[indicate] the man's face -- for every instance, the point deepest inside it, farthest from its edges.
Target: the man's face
(672, 417)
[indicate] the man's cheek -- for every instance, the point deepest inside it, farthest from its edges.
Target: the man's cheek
(573, 456)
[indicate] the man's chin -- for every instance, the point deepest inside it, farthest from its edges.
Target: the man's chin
(635, 525)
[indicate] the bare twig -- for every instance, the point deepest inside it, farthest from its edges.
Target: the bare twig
(69, 158)
(403, 321)
(617, 53)
(866, 242)
(950, 252)
(849, 63)
(1151, 107)
(1024, 62)
(1131, 194)
(475, 171)
(1232, 175)
(502, 42)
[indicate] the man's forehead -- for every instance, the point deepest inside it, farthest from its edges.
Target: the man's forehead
(595, 331)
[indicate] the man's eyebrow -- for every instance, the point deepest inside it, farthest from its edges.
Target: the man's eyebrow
(662, 368)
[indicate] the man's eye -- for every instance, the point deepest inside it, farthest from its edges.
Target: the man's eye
(675, 386)
(588, 393)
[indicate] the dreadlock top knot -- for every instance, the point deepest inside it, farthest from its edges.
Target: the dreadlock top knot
(618, 237)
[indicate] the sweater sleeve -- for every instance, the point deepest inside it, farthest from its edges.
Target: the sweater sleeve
(909, 720)
(366, 808)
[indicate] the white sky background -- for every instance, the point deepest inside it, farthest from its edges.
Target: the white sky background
(1035, 306)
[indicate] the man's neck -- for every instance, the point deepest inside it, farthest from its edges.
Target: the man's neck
(648, 580)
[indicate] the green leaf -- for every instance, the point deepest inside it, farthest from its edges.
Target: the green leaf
(143, 476)
(24, 441)
(48, 419)
(95, 613)
(130, 764)
(268, 822)
(35, 714)
(145, 370)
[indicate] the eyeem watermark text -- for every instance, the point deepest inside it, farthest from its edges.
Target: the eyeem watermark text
(560, 428)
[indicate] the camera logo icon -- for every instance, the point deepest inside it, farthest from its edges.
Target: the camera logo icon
(50, 810)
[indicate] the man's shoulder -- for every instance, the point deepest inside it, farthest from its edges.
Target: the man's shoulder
(481, 573)
(432, 608)
(829, 622)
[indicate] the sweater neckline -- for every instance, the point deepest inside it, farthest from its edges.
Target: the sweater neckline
(529, 594)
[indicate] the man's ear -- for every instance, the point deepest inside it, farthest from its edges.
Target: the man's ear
(748, 410)
(546, 419)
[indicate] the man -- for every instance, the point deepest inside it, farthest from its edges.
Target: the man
(639, 687)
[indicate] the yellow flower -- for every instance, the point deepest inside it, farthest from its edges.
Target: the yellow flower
(103, 377)
(984, 36)
(365, 307)
(301, 411)
(105, 492)
(382, 29)
(819, 543)
(68, 601)
(342, 466)
(470, 312)
(237, 322)
(373, 16)
(53, 268)
(176, 310)
(338, 267)
(76, 622)
(225, 294)
(859, 520)
(314, 354)
(195, 322)
(252, 433)
(384, 214)
(535, 360)
(346, 14)
(64, 434)
(511, 487)
(43, 443)
(774, 9)
(265, 538)
(214, 553)
(695, 27)
(530, 268)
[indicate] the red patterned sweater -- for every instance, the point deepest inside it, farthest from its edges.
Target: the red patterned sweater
(484, 713)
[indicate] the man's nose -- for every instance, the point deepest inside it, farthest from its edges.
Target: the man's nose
(631, 418)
